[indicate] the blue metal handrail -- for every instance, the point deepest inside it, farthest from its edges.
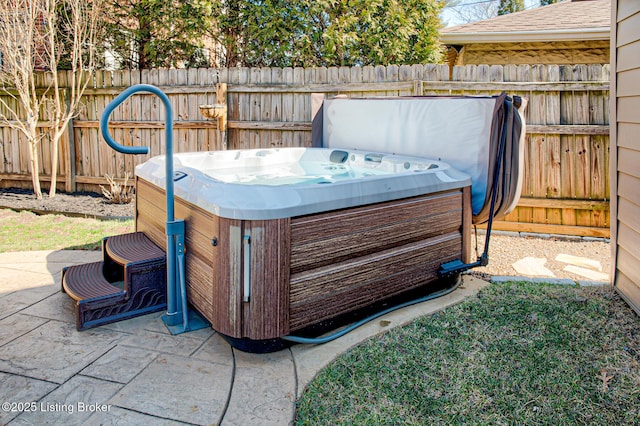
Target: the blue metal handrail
(177, 317)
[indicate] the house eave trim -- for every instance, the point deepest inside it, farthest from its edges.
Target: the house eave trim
(603, 33)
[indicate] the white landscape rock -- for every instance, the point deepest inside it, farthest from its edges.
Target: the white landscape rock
(532, 266)
(587, 273)
(583, 262)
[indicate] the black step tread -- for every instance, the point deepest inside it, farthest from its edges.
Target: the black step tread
(83, 282)
(132, 248)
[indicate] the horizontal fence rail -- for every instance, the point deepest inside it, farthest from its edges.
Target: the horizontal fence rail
(566, 173)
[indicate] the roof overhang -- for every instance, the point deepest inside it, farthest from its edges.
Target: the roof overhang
(602, 33)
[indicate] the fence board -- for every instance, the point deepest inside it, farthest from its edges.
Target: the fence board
(298, 103)
(566, 150)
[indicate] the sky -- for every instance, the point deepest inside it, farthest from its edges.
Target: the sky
(450, 17)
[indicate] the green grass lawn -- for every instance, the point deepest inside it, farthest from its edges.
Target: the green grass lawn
(26, 231)
(517, 354)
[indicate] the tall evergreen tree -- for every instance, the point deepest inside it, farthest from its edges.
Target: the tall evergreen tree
(365, 32)
(328, 32)
(158, 33)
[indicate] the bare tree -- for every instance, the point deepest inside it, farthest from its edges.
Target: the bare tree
(471, 12)
(73, 32)
(19, 37)
(38, 34)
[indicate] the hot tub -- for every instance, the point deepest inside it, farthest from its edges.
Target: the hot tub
(279, 240)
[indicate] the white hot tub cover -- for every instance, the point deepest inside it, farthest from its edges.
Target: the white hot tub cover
(464, 131)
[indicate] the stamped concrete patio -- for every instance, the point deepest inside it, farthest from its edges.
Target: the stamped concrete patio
(135, 372)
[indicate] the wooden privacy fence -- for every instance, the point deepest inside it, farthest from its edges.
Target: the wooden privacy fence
(566, 174)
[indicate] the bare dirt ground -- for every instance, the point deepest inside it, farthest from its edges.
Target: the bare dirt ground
(84, 203)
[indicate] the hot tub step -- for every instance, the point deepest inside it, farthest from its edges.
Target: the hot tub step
(85, 283)
(132, 248)
(131, 253)
(130, 281)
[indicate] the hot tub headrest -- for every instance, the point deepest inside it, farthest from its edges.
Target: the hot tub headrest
(463, 131)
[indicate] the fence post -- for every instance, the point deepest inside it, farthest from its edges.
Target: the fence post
(418, 88)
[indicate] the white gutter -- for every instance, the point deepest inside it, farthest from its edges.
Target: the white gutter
(600, 33)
